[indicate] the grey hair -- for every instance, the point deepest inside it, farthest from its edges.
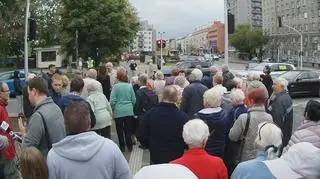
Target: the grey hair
(224, 67)
(195, 133)
(237, 96)
(213, 69)
(283, 82)
(92, 73)
(169, 94)
(93, 85)
(159, 75)
(143, 78)
(253, 76)
(198, 74)
(269, 134)
(257, 84)
(238, 81)
(31, 76)
(180, 81)
(212, 98)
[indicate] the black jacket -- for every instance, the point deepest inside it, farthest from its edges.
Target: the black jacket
(161, 131)
(268, 82)
(192, 98)
(27, 108)
(106, 85)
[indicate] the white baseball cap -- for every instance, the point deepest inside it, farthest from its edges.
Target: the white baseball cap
(302, 160)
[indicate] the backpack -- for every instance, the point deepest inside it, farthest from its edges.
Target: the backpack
(150, 99)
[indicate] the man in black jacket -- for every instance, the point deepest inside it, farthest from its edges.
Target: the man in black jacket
(266, 79)
(161, 129)
(18, 90)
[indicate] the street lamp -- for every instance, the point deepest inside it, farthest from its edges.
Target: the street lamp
(226, 33)
(26, 39)
(161, 51)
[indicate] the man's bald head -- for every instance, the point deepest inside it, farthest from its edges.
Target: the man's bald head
(169, 94)
(77, 118)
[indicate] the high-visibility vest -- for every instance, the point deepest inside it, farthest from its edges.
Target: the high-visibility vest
(90, 63)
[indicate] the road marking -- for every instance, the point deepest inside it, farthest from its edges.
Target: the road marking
(135, 161)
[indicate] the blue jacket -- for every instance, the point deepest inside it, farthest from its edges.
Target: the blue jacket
(218, 130)
(54, 95)
(161, 131)
(253, 169)
(232, 114)
(65, 101)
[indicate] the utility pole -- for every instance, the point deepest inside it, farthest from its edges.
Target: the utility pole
(226, 33)
(301, 43)
(26, 25)
(161, 47)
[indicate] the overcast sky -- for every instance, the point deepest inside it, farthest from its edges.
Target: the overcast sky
(179, 17)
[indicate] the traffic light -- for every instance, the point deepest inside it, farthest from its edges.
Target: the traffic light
(230, 23)
(32, 29)
(279, 21)
(159, 43)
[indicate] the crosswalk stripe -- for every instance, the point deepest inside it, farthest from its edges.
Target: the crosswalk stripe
(135, 161)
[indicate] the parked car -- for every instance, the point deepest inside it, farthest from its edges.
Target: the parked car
(188, 66)
(276, 69)
(303, 82)
(7, 77)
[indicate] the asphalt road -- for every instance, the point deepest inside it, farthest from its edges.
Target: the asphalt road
(139, 158)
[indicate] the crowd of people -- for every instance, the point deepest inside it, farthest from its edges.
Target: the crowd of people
(194, 126)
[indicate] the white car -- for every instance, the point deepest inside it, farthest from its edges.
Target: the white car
(276, 69)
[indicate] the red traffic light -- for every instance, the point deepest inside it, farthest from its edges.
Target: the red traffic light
(159, 43)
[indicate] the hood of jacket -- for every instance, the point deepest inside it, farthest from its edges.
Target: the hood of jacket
(210, 113)
(70, 98)
(79, 147)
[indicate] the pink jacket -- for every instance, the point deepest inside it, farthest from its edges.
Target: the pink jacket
(307, 132)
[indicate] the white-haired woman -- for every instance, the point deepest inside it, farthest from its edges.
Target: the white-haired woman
(91, 75)
(159, 83)
(101, 109)
(212, 114)
(268, 141)
(195, 135)
(179, 84)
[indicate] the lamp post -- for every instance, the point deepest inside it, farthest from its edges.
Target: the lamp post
(161, 48)
(26, 25)
(301, 43)
(226, 33)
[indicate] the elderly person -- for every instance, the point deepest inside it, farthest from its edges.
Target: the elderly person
(218, 80)
(204, 166)
(111, 72)
(281, 109)
(91, 75)
(309, 131)
(212, 114)
(161, 129)
(123, 100)
(232, 113)
(192, 95)
(226, 74)
(208, 80)
(159, 83)
(252, 76)
(101, 109)
(268, 141)
(179, 83)
(246, 126)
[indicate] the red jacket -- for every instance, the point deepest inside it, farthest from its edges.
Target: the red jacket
(203, 165)
(9, 152)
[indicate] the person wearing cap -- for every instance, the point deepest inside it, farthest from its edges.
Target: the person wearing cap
(301, 161)
(309, 131)
(268, 140)
(203, 165)
(167, 171)
(192, 95)
(281, 108)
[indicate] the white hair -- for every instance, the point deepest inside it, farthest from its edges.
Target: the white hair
(213, 69)
(195, 133)
(31, 76)
(238, 81)
(212, 98)
(253, 76)
(253, 85)
(93, 85)
(237, 96)
(92, 73)
(180, 81)
(198, 73)
(283, 82)
(159, 75)
(268, 135)
(225, 67)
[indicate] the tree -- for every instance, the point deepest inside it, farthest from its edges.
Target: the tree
(247, 40)
(104, 27)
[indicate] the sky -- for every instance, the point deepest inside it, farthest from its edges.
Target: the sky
(179, 17)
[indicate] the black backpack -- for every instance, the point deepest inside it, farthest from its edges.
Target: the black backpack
(150, 99)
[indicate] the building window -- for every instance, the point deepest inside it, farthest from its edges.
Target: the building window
(48, 56)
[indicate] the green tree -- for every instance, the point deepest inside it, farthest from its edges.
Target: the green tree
(104, 26)
(247, 40)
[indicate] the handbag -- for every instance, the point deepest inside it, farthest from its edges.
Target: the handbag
(238, 157)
